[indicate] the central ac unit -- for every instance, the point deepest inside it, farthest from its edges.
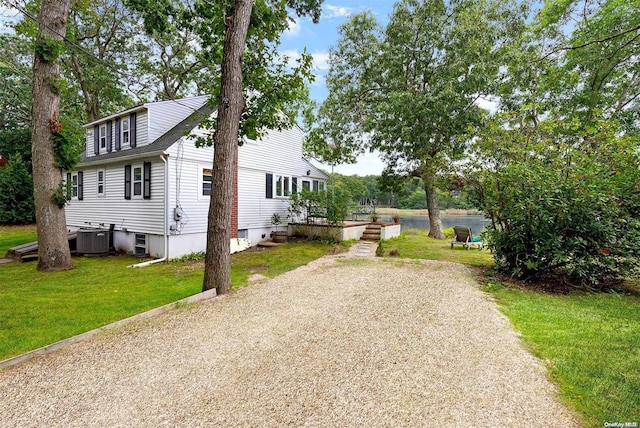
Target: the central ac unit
(93, 241)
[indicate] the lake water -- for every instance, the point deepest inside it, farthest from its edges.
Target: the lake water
(477, 223)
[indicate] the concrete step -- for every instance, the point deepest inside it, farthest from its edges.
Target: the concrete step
(370, 236)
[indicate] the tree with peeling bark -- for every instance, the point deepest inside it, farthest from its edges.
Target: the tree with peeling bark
(253, 88)
(410, 90)
(53, 248)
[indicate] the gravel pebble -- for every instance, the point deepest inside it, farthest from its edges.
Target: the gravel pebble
(343, 341)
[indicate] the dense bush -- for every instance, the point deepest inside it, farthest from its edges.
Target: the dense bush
(563, 207)
(16, 197)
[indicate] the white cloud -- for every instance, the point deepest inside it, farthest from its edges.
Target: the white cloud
(321, 60)
(292, 54)
(8, 18)
(333, 11)
(366, 164)
(294, 28)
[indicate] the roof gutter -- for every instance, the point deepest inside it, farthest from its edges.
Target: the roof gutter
(164, 157)
(102, 161)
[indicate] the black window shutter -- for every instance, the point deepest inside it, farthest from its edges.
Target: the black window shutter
(147, 181)
(96, 139)
(109, 144)
(127, 181)
(132, 129)
(117, 136)
(68, 186)
(269, 186)
(80, 186)
(294, 185)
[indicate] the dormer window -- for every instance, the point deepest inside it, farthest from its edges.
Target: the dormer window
(125, 130)
(103, 137)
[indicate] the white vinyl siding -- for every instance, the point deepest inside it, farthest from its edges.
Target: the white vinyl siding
(279, 153)
(135, 215)
(141, 134)
(165, 115)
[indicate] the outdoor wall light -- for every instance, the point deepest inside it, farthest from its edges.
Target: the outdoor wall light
(308, 172)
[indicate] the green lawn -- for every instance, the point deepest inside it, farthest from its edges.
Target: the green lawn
(11, 236)
(415, 244)
(38, 309)
(590, 343)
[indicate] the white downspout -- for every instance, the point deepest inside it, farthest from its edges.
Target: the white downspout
(166, 210)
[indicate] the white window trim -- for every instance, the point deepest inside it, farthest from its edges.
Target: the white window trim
(133, 181)
(322, 185)
(201, 170)
(74, 176)
(102, 130)
(124, 121)
(286, 193)
(104, 181)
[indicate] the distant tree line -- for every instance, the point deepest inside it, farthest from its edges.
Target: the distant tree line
(406, 193)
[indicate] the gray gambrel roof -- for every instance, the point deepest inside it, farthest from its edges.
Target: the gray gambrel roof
(159, 146)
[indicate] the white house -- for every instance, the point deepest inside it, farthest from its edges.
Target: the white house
(142, 175)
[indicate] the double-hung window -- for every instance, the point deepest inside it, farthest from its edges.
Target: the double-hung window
(124, 125)
(74, 185)
(137, 181)
(103, 137)
(100, 180)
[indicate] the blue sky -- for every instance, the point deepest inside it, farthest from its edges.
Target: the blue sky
(317, 39)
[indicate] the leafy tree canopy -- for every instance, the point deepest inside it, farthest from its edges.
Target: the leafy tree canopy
(410, 90)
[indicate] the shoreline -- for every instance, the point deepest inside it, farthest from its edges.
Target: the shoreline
(424, 212)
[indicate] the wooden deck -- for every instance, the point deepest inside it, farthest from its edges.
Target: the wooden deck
(29, 252)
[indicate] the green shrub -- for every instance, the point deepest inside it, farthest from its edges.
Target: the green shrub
(563, 206)
(16, 197)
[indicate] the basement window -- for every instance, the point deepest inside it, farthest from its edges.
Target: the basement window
(140, 248)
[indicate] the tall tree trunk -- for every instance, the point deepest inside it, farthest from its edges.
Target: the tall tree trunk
(217, 269)
(435, 224)
(53, 247)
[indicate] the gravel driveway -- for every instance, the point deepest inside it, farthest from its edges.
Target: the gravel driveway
(341, 342)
